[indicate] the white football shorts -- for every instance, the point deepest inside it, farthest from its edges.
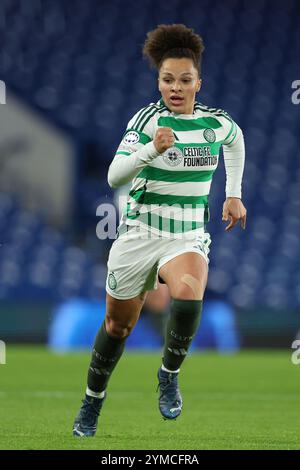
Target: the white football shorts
(136, 256)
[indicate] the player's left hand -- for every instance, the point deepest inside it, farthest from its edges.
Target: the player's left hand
(234, 210)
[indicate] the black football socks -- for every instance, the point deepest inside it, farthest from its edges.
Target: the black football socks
(181, 327)
(105, 356)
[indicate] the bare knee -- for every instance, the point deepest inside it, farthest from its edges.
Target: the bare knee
(117, 328)
(122, 315)
(189, 288)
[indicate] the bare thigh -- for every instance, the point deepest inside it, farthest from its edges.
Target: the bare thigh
(122, 315)
(186, 276)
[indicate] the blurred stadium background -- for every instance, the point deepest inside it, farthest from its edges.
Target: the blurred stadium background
(74, 76)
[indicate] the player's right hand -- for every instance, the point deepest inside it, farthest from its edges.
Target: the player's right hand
(163, 139)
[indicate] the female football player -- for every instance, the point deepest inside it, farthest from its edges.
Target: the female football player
(169, 152)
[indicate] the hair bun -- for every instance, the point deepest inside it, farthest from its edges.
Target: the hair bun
(166, 38)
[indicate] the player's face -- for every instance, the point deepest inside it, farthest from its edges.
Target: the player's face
(178, 83)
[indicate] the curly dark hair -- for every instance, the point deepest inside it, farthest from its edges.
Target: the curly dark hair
(173, 41)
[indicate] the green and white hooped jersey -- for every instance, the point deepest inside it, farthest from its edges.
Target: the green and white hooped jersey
(170, 195)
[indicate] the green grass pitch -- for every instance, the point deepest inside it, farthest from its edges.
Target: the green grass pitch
(249, 400)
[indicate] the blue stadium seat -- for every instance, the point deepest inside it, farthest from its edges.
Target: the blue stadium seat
(84, 72)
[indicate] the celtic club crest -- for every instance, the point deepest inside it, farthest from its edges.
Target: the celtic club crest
(209, 135)
(112, 282)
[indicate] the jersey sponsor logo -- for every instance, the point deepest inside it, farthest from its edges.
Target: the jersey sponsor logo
(112, 281)
(200, 161)
(196, 151)
(173, 156)
(131, 137)
(199, 156)
(209, 135)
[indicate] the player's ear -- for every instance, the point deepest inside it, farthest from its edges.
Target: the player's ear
(199, 84)
(158, 81)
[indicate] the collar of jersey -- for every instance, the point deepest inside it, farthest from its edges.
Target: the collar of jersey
(162, 103)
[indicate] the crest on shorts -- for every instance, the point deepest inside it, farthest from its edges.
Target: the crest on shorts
(131, 137)
(209, 135)
(172, 156)
(112, 281)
